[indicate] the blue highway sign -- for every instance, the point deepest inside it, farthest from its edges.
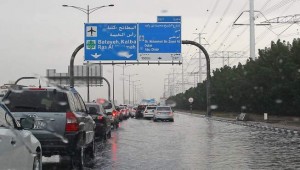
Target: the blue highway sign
(168, 18)
(159, 42)
(110, 41)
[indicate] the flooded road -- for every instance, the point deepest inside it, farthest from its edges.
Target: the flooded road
(193, 143)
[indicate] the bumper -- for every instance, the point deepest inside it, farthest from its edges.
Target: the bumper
(163, 117)
(148, 115)
(59, 146)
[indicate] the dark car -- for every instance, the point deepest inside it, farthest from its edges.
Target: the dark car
(111, 111)
(139, 111)
(62, 123)
(103, 122)
(124, 111)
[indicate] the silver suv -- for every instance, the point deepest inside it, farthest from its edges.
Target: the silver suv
(19, 149)
(62, 123)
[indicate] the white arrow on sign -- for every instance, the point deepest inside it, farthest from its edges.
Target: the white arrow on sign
(96, 55)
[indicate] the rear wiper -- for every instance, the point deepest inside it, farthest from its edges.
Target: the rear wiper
(25, 107)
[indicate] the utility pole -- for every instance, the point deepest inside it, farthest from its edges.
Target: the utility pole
(252, 30)
(200, 62)
(182, 85)
(252, 27)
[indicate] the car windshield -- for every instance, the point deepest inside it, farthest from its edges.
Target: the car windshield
(35, 100)
(88, 106)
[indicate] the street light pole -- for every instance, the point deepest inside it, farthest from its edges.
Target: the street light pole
(88, 11)
(113, 83)
(123, 85)
(133, 90)
(129, 85)
(129, 90)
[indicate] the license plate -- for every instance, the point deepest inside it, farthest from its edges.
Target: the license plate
(39, 124)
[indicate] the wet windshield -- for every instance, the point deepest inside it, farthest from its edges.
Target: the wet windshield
(150, 84)
(33, 101)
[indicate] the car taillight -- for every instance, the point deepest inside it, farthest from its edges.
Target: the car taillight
(114, 113)
(100, 117)
(72, 124)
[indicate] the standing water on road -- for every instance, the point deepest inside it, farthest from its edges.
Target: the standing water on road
(196, 143)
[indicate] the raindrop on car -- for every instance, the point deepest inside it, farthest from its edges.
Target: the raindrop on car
(214, 107)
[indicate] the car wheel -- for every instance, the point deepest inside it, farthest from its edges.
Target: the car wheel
(104, 136)
(154, 120)
(109, 135)
(92, 149)
(37, 164)
(79, 158)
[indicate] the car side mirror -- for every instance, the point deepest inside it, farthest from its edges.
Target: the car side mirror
(27, 123)
(92, 110)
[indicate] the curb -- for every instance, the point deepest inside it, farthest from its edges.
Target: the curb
(259, 125)
(262, 126)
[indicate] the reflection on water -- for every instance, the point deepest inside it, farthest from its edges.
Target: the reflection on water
(196, 143)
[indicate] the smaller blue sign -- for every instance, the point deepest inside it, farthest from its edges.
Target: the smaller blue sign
(159, 42)
(110, 41)
(168, 18)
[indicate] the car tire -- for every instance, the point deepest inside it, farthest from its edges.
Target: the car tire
(91, 149)
(104, 136)
(79, 158)
(154, 120)
(37, 162)
(109, 135)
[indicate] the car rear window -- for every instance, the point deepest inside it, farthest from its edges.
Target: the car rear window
(141, 107)
(163, 108)
(95, 106)
(151, 108)
(37, 101)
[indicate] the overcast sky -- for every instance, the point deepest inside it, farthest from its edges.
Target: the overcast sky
(40, 34)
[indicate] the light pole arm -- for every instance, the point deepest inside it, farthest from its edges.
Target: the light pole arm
(79, 8)
(95, 9)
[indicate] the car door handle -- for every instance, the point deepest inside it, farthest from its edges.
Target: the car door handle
(13, 141)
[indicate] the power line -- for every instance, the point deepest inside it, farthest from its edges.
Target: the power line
(210, 15)
(221, 19)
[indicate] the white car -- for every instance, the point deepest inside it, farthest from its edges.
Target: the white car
(149, 112)
(163, 113)
(19, 149)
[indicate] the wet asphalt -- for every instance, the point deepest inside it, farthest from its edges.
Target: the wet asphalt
(191, 143)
